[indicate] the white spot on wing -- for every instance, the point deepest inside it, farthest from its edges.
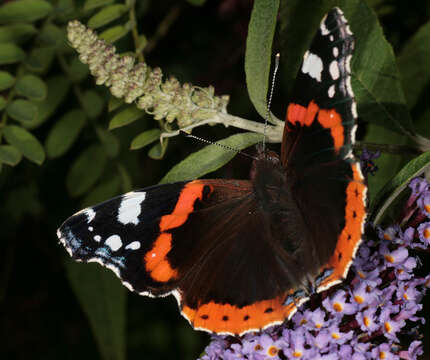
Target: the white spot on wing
(91, 214)
(135, 245)
(335, 52)
(130, 208)
(114, 242)
(331, 91)
(349, 87)
(331, 37)
(312, 65)
(348, 64)
(97, 238)
(90, 228)
(323, 27)
(354, 109)
(334, 70)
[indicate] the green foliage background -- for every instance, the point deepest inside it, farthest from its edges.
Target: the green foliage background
(66, 143)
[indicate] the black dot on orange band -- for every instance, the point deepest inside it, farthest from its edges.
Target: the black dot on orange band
(356, 192)
(339, 257)
(205, 317)
(349, 237)
(246, 318)
(225, 318)
(354, 214)
(268, 310)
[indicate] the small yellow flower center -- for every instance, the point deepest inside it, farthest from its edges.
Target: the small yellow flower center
(427, 207)
(337, 307)
(427, 233)
(297, 354)
(303, 321)
(359, 299)
(387, 326)
(366, 321)
(405, 296)
(361, 274)
(335, 336)
(318, 325)
(389, 258)
(387, 236)
(272, 351)
(382, 355)
(258, 347)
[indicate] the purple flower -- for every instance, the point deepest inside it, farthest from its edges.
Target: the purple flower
(366, 163)
(367, 322)
(423, 202)
(383, 351)
(337, 305)
(424, 233)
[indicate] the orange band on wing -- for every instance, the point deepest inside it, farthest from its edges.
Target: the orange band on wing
(156, 262)
(350, 237)
(225, 318)
(184, 206)
(330, 119)
(303, 115)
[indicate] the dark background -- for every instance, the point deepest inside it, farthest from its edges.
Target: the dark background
(41, 317)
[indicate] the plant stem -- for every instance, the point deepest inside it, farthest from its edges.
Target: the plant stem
(387, 148)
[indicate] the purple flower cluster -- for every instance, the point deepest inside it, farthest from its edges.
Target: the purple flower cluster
(372, 315)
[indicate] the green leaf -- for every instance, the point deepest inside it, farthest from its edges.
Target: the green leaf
(145, 138)
(10, 155)
(114, 33)
(17, 33)
(93, 103)
(2, 103)
(24, 11)
(210, 158)
(197, 2)
(23, 111)
(106, 15)
(77, 71)
(109, 141)
(86, 170)
(10, 53)
(32, 87)
(25, 142)
(388, 164)
(125, 117)
(6, 80)
(101, 192)
(395, 186)
(157, 151)
(64, 133)
(414, 64)
(258, 54)
(114, 103)
(375, 78)
(126, 183)
(93, 4)
(103, 299)
(58, 86)
(53, 36)
(40, 59)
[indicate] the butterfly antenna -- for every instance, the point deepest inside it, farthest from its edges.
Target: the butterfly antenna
(269, 103)
(229, 148)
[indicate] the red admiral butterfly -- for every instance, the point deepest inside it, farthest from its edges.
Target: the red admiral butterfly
(238, 254)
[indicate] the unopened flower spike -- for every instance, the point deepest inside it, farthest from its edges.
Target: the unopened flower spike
(167, 99)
